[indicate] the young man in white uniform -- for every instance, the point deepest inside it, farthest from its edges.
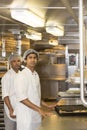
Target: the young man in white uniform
(8, 91)
(28, 93)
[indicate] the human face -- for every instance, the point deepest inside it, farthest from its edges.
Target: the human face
(16, 64)
(31, 60)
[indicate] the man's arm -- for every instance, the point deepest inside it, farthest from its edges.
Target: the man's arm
(35, 107)
(7, 102)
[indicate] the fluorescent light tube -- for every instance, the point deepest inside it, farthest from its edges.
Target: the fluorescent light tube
(54, 30)
(27, 17)
(34, 35)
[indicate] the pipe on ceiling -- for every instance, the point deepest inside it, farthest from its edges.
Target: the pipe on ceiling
(69, 8)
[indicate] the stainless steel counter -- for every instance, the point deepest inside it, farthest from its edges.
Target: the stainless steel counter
(56, 122)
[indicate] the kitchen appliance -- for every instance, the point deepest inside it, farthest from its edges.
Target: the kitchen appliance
(51, 68)
(70, 101)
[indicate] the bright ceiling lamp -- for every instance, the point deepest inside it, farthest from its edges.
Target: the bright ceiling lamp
(27, 17)
(34, 35)
(55, 30)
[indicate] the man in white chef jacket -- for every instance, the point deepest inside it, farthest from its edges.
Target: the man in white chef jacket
(8, 91)
(27, 87)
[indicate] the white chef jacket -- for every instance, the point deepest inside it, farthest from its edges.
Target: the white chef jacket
(27, 85)
(8, 89)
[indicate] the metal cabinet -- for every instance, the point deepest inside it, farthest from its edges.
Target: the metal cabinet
(52, 71)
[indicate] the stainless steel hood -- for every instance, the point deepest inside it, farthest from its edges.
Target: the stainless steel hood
(63, 12)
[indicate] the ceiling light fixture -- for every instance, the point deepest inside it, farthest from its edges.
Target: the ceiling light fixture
(55, 30)
(27, 17)
(34, 35)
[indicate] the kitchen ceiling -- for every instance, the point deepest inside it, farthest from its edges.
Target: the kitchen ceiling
(61, 12)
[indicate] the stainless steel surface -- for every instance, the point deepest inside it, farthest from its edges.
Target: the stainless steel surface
(52, 70)
(73, 63)
(63, 12)
(81, 32)
(56, 122)
(66, 94)
(49, 88)
(70, 101)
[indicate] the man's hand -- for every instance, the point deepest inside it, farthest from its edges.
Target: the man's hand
(11, 112)
(45, 113)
